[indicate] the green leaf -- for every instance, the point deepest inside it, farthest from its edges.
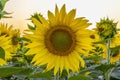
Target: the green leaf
(2, 53)
(42, 75)
(92, 67)
(93, 58)
(25, 50)
(31, 27)
(115, 48)
(108, 73)
(5, 12)
(9, 71)
(7, 17)
(116, 73)
(105, 67)
(25, 39)
(36, 16)
(26, 71)
(99, 42)
(2, 3)
(79, 77)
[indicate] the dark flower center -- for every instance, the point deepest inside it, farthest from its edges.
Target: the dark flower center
(60, 40)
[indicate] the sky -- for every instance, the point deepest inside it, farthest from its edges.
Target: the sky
(93, 10)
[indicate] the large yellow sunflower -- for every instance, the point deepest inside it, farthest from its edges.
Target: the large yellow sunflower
(5, 44)
(14, 35)
(59, 41)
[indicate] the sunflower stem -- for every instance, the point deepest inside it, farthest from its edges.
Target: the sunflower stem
(108, 58)
(108, 50)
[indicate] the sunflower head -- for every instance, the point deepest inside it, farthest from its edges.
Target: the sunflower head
(13, 35)
(106, 28)
(15, 39)
(59, 41)
(5, 45)
(4, 30)
(115, 41)
(115, 46)
(115, 56)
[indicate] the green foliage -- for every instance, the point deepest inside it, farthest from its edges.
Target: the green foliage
(104, 67)
(2, 53)
(114, 49)
(9, 71)
(2, 12)
(115, 75)
(36, 16)
(26, 71)
(47, 75)
(106, 70)
(31, 27)
(99, 42)
(24, 39)
(79, 77)
(2, 4)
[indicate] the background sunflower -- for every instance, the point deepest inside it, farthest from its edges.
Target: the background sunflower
(115, 43)
(5, 44)
(14, 35)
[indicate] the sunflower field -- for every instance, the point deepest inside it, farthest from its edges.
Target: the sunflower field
(60, 47)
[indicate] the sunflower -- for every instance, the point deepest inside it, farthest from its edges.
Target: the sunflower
(5, 44)
(5, 30)
(99, 45)
(2, 62)
(14, 35)
(106, 28)
(59, 41)
(115, 55)
(115, 41)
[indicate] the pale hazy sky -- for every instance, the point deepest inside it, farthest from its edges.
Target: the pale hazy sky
(91, 9)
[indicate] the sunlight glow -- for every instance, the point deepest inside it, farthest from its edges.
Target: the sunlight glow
(91, 9)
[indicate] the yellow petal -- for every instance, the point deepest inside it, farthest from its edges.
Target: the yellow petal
(61, 64)
(62, 14)
(44, 21)
(70, 16)
(37, 23)
(57, 64)
(82, 62)
(51, 62)
(72, 63)
(66, 63)
(56, 11)
(76, 21)
(41, 53)
(51, 17)
(2, 62)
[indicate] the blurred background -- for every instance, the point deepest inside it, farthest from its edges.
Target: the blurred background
(91, 9)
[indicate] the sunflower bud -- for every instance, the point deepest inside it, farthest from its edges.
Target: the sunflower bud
(106, 28)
